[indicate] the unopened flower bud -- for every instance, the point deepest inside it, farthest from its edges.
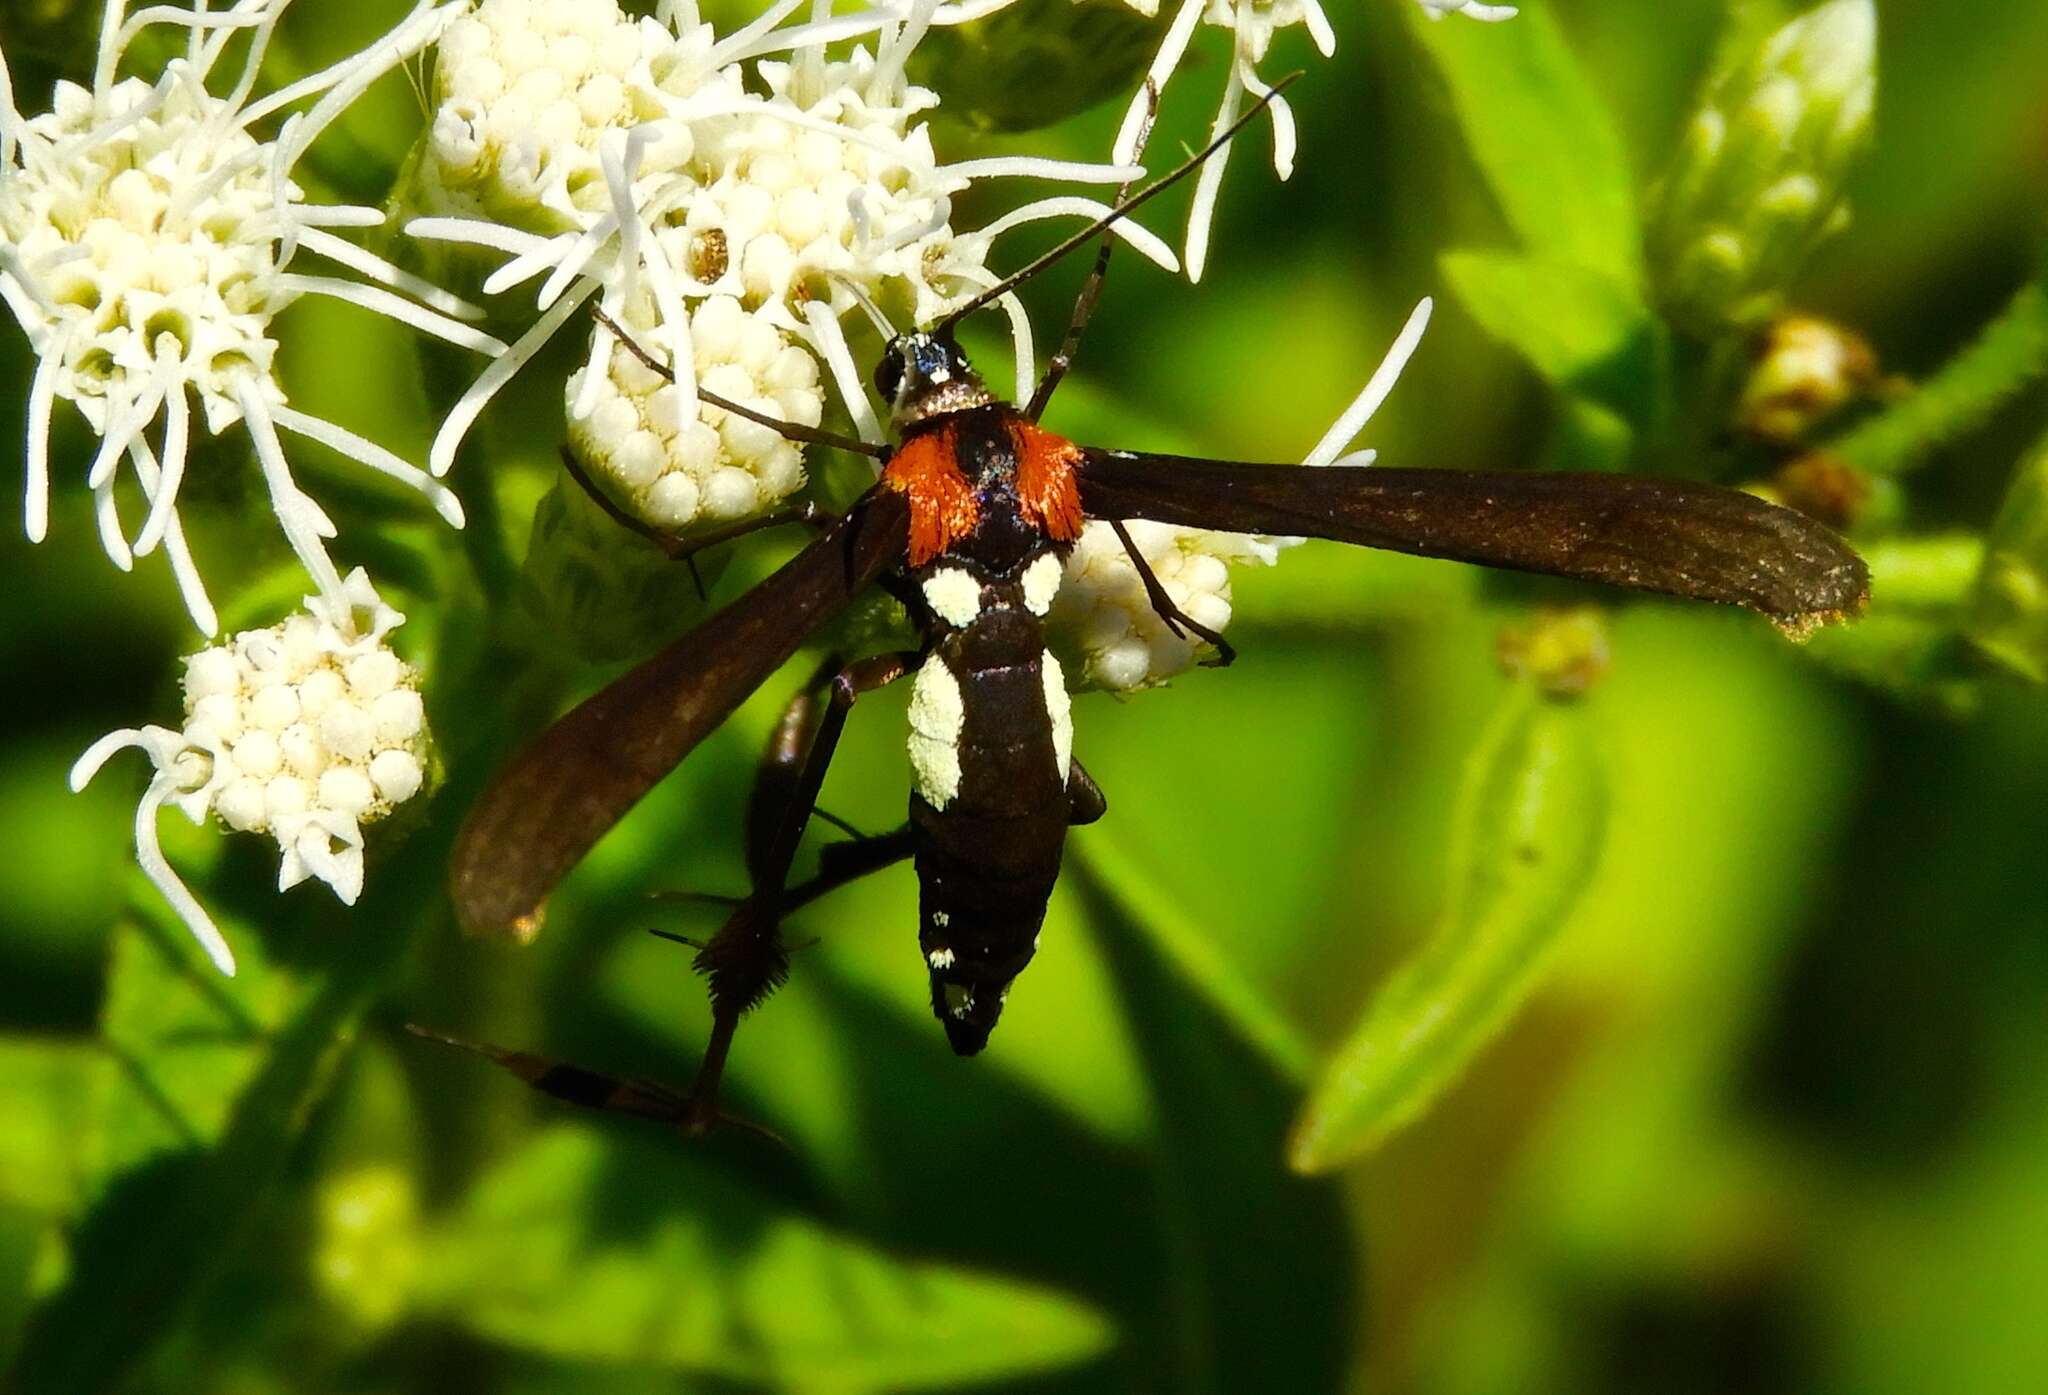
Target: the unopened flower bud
(1807, 369)
(1563, 652)
(1825, 487)
(1757, 180)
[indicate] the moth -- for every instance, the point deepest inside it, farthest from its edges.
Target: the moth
(969, 524)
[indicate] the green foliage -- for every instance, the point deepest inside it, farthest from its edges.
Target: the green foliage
(627, 1252)
(2009, 616)
(2007, 358)
(1526, 836)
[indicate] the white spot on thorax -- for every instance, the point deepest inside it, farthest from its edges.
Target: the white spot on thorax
(937, 713)
(954, 596)
(1042, 582)
(940, 958)
(1059, 709)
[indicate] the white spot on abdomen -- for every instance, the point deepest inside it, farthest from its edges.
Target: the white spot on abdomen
(940, 958)
(954, 596)
(1059, 710)
(959, 1000)
(937, 714)
(1042, 582)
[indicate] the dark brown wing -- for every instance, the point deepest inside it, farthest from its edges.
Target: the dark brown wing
(1672, 536)
(580, 776)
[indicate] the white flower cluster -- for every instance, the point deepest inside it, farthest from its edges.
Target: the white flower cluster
(1103, 611)
(304, 731)
(655, 166)
(670, 468)
(146, 236)
(1252, 24)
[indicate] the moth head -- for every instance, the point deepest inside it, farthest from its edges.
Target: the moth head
(923, 375)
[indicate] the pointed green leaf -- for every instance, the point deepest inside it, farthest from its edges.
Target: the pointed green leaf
(1541, 136)
(1526, 836)
(623, 1245)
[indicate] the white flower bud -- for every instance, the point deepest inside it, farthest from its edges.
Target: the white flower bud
(674, 473)
(256, 755)
(274, 708)
(398, 717)
(347, 788)
(347, 732)
(396, 774)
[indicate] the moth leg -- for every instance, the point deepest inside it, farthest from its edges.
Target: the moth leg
(1091, 289)
(1162, 604)
(842, 863)
(788, 430)
(685, 550)
(782, 765)
(747, 959)
(1085, 800)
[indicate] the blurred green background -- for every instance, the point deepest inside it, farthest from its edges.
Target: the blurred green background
(1773, 1116)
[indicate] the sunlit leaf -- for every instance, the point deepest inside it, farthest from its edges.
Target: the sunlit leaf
(1587, 333)
(1541, 136)
(51, 1099)
(623, 1246)
(1526, 837)
(186, 1041)
(223, 1075)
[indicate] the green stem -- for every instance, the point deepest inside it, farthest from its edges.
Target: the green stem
(2011, 353)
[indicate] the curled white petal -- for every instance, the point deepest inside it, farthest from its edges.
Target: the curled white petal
(1354, 417)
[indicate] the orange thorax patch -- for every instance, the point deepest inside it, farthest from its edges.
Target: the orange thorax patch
(943, 505)
(1046, 488)
(943, 508)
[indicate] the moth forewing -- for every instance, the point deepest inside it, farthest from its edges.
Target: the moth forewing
(579, 777)
(1673, 537)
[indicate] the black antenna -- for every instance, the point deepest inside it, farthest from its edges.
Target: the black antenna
(1165, 181)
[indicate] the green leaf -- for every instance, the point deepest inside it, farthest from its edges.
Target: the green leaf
(50, 1096)
(2009, 355)
(1542, 138)
(2009, 617)
(625, 1246)
(1259, 1286)
(1183, 941)
(1026, 68)
(219, 1080)
(1586, 332)
(186, 1040)
(1526, 837)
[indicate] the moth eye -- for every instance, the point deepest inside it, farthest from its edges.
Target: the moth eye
(889, 375)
